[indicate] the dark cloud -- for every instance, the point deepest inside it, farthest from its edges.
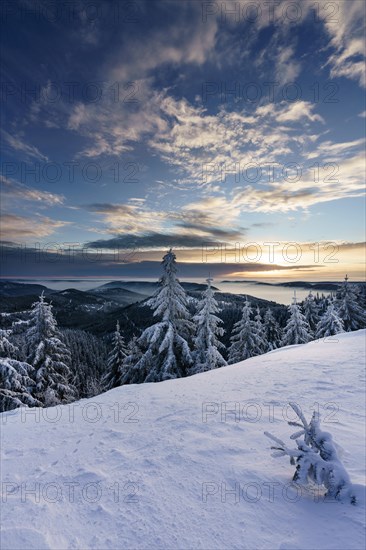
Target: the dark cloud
(155, 240)
(18, 260)
(107, 207)
(213, 231)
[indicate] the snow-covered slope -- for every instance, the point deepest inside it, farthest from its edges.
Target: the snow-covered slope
(156, 476)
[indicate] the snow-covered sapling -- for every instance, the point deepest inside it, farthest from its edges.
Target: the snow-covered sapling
(315, 458)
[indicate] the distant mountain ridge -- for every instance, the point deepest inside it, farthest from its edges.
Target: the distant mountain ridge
(97, 310)
(146, 287)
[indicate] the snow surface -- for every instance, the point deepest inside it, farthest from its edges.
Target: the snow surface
(154, 474)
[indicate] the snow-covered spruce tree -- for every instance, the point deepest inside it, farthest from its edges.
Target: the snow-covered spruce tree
(16, 385)
(315, 458)
(297, 330)
(115, 370)
(131, 375)
(362, 296)
(352, 315)
(49, 357)
(311, 312)
(329, 324)
(206, 354)
(259, 332)
(322, 302)
(243, 341)
(164, 345)
(7, 349)
(272, 331)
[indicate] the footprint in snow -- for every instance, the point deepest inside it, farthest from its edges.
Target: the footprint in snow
(14, 452)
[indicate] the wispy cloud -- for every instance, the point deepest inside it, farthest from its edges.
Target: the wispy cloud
(12, 189)
(128, 224)
(17, 143)
(133, 217)
(346, 31)
(14, 227)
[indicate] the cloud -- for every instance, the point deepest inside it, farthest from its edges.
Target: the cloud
(129, 110)
(185, 39)
(89, 263)
(352, 246)
(115, 125)
(296, 112)
(17, 143)
(153, 240)
(287, 68)
(194, 224)
(347, 182)
(126, 259)
(13, 189)
(14, 227)
(198, 143)
(205, 231)
(338, 150)
(129, 218)
(342, 179)
(343, 22)
(346, 31)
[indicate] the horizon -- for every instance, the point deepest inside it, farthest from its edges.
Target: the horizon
(185, 279)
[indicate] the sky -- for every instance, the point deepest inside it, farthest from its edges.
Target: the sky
(232, 132)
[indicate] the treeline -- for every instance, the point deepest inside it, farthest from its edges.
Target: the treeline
(40, 365)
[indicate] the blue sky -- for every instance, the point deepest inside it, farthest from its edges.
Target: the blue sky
(202, 126)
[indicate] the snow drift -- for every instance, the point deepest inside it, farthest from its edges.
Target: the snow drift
(184, 463)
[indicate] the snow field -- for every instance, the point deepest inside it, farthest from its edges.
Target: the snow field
(167, 465)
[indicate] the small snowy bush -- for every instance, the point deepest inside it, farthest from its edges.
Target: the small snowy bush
(315, 458)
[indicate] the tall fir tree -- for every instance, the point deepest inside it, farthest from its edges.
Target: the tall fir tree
(329, 324)
(272, 331)
(243, 341)
(297, 329)
(165, 349)
(49, 356)
(311, 312)
(131, 374)
(115, 365)
(352, 315)
(16, 382)
(7, 349)
(16, 385)
(206, 353)
(259, 331)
